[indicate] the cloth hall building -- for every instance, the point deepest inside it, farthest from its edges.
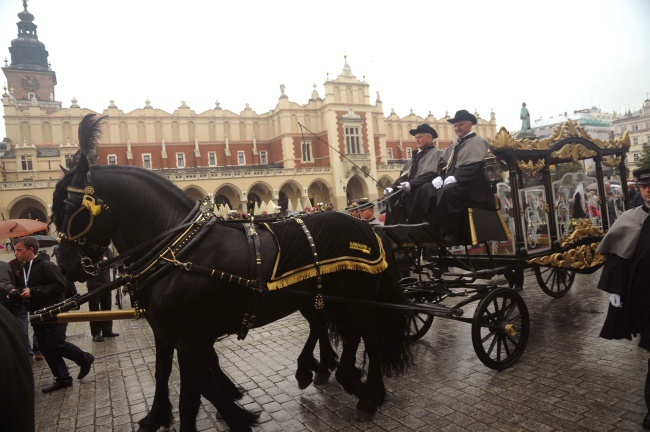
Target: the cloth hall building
(294, 155)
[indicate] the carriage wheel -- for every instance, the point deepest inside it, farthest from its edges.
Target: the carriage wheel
(500, 328)
(555, 282)
(419, 323)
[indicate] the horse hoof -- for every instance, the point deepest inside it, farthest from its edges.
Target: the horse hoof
(321, 378)
(366, 410)
(304, 380)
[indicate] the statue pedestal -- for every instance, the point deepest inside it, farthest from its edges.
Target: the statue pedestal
(526, 135)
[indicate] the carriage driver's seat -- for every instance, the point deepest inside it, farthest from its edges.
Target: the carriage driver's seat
(483, 225)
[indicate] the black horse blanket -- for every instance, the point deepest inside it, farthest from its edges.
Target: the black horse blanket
(341, 242)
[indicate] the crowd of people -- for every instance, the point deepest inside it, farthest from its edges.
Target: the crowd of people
(30, 282)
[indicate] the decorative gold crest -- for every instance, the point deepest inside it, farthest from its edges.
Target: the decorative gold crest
(574, 152)
(612, 162)
(530, 167)
(583, 229)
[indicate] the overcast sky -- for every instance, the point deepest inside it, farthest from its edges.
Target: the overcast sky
(433, 56)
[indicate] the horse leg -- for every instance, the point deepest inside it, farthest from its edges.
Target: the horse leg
(237, 418)
(347, 374)
(193, 365)
(222, 381)
(306, 361)
(374, 393)
(160, 414)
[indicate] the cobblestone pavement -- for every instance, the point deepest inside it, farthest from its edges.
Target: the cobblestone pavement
(568, 379)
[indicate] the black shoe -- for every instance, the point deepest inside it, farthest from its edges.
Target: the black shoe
(57, 385)
(646, 421)
(111, 334)
(98, 338)
(85, 368)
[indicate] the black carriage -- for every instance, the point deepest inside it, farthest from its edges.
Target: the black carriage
(557, 240)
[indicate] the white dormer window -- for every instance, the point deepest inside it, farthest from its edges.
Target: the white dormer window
(352, 139)
(26, 163)
(112, 159)
(409, 153)
(212, 159)
(241, 158)
(146, 161)
(180, 160)
(264, 157)
(390, 153)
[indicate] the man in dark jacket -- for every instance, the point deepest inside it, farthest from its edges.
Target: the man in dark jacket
(626, 274)
(45, 286)
(101, 329)
(420, 170)
(463, 182)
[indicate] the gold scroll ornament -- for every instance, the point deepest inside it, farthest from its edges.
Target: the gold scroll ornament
(582, 257)
(584, 228)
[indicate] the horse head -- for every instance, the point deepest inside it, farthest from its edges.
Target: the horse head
(82, 218)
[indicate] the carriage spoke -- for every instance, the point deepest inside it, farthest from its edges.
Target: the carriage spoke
(494, 341)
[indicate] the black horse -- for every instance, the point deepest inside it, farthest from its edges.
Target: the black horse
(188, 309)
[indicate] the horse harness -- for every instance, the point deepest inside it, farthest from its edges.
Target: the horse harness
(174, 247)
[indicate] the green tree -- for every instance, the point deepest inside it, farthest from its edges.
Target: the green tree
(644, 157)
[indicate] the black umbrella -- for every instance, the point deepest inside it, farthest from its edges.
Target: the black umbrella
(45, 241)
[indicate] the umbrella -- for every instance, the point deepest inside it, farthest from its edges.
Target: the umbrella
(289, 205)
(11, 228)
(263, 208)
(256, 209)
(271, 208)
(298, 206)
(45, 241)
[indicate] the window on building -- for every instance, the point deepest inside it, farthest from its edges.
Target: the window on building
(112, 159)
(635, 141)
(180, 160)
(636, 157)
(409, 153)
(306, 152)
(31, 96)
(68, 159)
(26, 163)
(390, 153)
(353, 139)
(241, 158)
(635, 127)
(264, 157)
(146, 161)
(212, 159)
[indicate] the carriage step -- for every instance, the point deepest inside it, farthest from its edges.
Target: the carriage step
(477, 274)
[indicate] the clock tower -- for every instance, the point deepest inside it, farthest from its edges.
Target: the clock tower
(29, 78)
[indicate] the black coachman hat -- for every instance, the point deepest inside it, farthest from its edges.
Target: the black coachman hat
(463, 115)
(424, 128)
(642, 176)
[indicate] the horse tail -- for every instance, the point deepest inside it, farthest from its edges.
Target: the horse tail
(396, 353)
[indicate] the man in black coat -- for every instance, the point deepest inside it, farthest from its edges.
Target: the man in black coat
(463, 181)
(420, 170)
(626, 276)
(45, 286)
(101, 329)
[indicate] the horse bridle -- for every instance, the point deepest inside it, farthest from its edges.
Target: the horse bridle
(93, 205)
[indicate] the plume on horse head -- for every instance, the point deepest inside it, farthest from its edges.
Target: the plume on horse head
(78, 167)
(89, 133)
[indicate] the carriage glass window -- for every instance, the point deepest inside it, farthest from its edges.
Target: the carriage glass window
(112, 159)
(306, 152)
(26, 163)
(146, 161)
(534, 212)
(504, 194)
(575, 199)
(352, 139)
(180, 160)
(212, 159)
(264, 157)
(241, 158)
